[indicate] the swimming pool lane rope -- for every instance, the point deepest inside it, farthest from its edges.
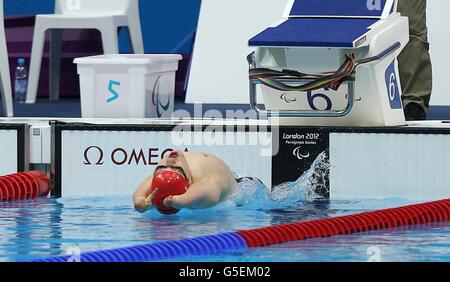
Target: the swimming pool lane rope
(24, 186)
(432, 212)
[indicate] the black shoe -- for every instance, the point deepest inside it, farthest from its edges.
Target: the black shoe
(414, 111)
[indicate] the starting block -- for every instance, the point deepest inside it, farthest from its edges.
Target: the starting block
(331, 63)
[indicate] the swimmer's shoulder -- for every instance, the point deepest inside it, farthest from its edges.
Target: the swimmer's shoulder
(199, 155)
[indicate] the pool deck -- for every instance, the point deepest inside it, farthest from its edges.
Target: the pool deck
(71, 108)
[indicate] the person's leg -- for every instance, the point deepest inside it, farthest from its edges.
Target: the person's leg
(415, 61)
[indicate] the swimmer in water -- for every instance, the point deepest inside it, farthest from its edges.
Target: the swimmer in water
(210, 182)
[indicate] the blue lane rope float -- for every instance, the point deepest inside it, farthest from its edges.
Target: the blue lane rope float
(206, 245)
(438, 211)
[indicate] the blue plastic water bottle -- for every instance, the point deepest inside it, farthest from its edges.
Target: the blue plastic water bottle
(21, 82)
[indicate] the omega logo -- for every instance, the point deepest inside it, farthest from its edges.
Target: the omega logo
(95, 155)
(100, 155)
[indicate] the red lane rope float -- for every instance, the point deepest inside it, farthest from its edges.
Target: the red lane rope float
(238, 241)
(24, 186)
(438, 211)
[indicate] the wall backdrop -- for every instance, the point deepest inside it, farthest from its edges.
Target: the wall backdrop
(169, 26)
(439, 33)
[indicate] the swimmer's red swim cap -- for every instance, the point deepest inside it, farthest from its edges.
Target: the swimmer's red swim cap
(168, 183)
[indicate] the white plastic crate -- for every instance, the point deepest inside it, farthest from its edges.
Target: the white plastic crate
(128, 86)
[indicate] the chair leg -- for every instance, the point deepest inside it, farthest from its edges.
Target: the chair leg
(36, 62)
(55, 63)
(110, 40)
(135, 32)
(5, 82)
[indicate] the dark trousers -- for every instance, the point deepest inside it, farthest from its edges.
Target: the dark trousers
(415, 61)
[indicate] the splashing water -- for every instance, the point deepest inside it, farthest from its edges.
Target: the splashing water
(312, 185)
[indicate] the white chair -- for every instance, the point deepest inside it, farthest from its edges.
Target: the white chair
(104, 15)
(5, 82)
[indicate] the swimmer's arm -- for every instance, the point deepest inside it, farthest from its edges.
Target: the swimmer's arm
(141, 201)
(200, 195)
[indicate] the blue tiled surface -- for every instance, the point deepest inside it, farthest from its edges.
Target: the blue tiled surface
(337, 8)
(314, 33)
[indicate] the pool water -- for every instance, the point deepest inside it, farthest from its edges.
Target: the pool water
(51, 227)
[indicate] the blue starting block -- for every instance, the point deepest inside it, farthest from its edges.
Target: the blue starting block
(329, 62)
